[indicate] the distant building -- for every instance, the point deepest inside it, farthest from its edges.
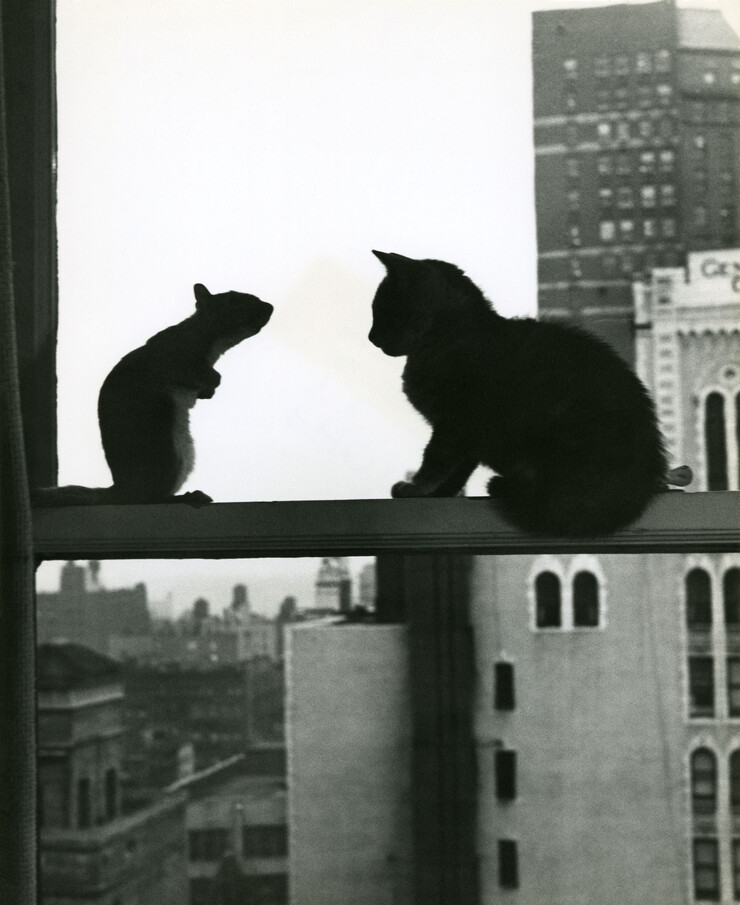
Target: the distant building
(82, 610)
(348, 730)
(333, 585)
(367, 587)
(636, 148)
(237, 830)
(94, 848)
(687, 351)
(220, 709)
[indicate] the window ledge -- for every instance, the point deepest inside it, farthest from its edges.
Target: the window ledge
(674, 523)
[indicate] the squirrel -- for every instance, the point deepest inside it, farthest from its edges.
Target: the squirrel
(145, 401)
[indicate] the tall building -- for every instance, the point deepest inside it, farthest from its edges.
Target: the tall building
(84, 611)
(95, 847)
(636, 147)
(333, 588)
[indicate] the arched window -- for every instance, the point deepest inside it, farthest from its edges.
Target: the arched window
(735, 782)
(703, 781)
(698, 599)
(585, 600)
(111, 794)
(715, 441)
(731, 596)
(83, 803)
(547, 596)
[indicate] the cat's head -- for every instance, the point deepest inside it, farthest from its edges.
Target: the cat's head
(234, 314)
(416, 295)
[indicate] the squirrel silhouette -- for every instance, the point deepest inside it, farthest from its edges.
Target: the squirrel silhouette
(144, 404)
(566, 425)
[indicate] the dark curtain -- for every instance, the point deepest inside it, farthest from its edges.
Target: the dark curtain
(17, 693)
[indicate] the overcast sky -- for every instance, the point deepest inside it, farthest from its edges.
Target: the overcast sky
(268, 147)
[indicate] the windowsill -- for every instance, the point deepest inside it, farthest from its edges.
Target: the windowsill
(674, 523)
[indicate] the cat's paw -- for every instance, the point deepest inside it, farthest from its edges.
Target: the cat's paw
(196, 498)
(406, 489)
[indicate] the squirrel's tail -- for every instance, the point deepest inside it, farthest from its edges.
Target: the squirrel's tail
(71, 495)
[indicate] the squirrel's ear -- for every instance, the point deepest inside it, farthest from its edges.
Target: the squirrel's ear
(201, 294)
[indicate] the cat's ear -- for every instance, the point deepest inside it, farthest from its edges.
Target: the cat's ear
(391, 259)
(201, 294)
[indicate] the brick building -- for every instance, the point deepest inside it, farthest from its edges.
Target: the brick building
(637, 111)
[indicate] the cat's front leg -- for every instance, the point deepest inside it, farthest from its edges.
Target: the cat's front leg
(444, 470)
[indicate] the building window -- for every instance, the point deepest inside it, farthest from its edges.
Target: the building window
(574, 200)
(649, 229)
(607, 231)
(208, 845)
(701, 687)
(602, 67)
(733, 686)
(623, 131)
(667, 160)
(111, 794)
(698, 587)
(715, 442)
(626, 230)
(648, 195)
(700, 141)
(665, 93)
(625, 197)
(505, 768)
(265, 841)
(570, 67)
(647, 162)
(571, 100)
(585, 600)
(621, 65)
(548, 600)
(706, 869)
(605, 165)
(575, 269)
(574, 234)
(668, 195)
(624, 165)
(508, 864)
(731, 598)
(504, 695)
(604, 131)
(735, 783)
(84, 815)
(668, 227)
(644, 96)
(701, 217)
(606, 197)
(643, 63)
(572, 168)
(645, 128)
(603, 96)
(609, 264)
(709, 77)
(663, 61)
(703, 782)
(621, 98)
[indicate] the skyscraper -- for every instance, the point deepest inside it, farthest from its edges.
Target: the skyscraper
(636, 112)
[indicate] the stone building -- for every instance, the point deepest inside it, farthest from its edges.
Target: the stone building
(94, 848)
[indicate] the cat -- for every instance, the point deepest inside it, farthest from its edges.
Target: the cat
(144, 403)
(568, 428)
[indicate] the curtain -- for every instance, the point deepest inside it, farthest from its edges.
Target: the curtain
(17, 692)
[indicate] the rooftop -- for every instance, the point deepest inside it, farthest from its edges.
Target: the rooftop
(65, 665)
(705, 29)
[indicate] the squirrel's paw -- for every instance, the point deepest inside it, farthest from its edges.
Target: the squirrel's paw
(196, 498)
(406, 489)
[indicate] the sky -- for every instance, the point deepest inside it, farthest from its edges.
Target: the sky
(267, 146)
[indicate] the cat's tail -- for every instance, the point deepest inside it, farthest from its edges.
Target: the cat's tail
(71, 495)
(587, 503)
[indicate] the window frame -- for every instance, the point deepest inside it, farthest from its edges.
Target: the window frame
(675, 523)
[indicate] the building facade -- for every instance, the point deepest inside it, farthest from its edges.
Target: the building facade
(636, 146)
(95, 847)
